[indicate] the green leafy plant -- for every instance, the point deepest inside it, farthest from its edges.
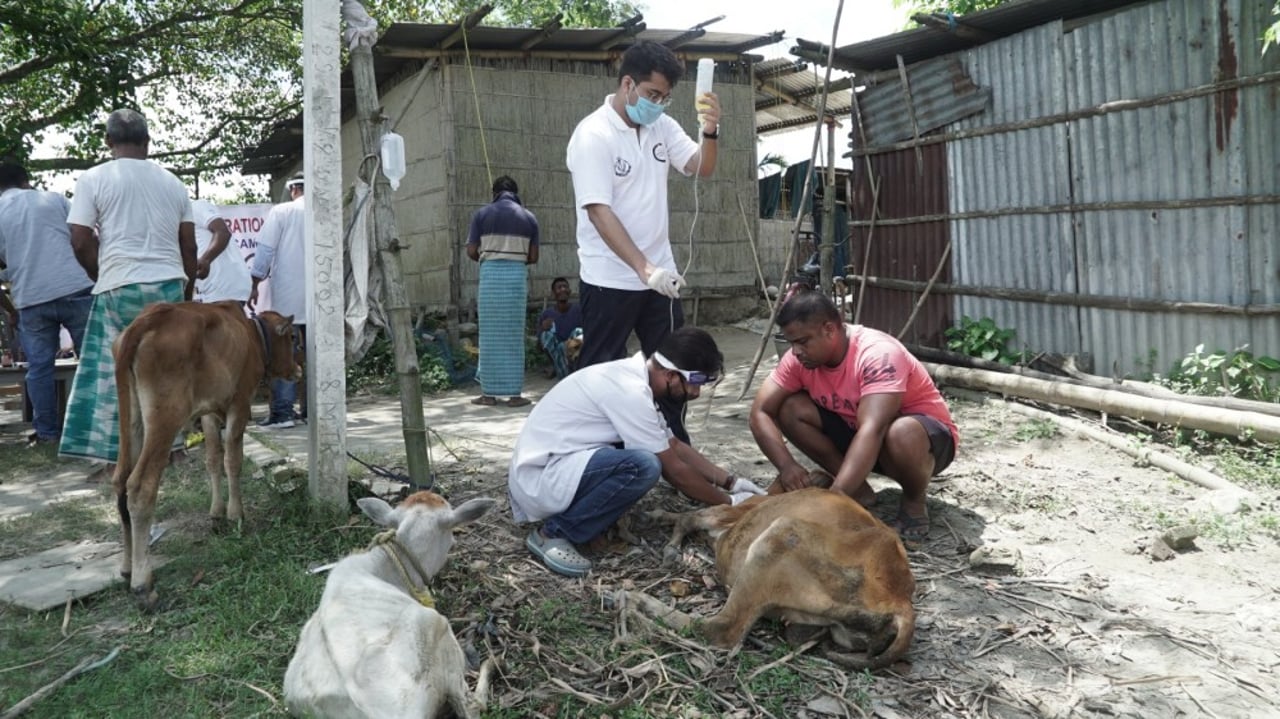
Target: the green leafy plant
(982, 338)
(1036, 429)
(1238, 373)
(375, 368)
(1272, 34)
(534, 357)
(376, 371)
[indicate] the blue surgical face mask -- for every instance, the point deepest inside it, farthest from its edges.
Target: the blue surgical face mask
(645, 111)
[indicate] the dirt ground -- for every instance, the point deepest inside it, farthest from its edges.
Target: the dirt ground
(1084, 624)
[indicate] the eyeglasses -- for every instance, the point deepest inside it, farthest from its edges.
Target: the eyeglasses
(693, 377)
(653, 95)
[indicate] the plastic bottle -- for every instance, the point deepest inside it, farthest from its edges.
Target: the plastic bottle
(706, 71)
(393, 158)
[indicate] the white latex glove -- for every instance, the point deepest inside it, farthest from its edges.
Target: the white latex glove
(740, 497)
(742, 484)
(665, 282)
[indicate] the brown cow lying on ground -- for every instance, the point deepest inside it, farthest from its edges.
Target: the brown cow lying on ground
(176, 362)
(810, 557)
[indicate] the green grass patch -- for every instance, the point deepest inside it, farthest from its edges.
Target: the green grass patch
(234, 601)
(17, 460)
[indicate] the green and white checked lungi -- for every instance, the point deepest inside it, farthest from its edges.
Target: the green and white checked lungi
(92, 426)
(501, 306)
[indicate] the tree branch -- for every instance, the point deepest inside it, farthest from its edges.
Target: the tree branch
(153, 35)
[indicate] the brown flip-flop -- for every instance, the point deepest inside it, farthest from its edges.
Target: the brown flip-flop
(517, 401)
(912, 530)
(485, 400)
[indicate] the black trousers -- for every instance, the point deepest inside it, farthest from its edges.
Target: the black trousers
(609, 317)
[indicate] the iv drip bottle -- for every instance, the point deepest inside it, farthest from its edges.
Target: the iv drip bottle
(706, 70)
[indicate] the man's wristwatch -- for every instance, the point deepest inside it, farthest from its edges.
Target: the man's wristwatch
(712, 135)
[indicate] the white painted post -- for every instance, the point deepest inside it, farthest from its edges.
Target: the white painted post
(322, 166)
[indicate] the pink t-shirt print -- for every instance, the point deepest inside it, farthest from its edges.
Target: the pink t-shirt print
(876, 364)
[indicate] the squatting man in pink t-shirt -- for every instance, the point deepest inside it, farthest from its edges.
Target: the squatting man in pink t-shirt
(853, 400)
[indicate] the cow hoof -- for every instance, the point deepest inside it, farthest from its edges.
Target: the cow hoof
(716, 634)
(147, 598)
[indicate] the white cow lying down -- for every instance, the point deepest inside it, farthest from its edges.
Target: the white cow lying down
(372, 649)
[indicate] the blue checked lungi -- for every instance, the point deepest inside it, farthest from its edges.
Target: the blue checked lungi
(501, 305)
(555, 349)
(92, 427)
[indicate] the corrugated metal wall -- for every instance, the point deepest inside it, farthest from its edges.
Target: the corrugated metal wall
(909, 251)
(1017, 169)
(1221, 145)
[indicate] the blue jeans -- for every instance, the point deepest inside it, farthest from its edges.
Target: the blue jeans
(38, 329)
(284, 393)
(283, 396)
(614, 480)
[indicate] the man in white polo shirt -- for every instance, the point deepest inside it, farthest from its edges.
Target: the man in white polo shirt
(619, 156)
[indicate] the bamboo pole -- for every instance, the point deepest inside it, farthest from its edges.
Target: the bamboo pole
(1125, 444)
(874, 184)
(755, 255)
(1163, 411)
(911, 113)
(1144, 389)
(1072, 299)
(827, 243)
(766, 338)
(399, 313)
(866, 247)
(942, 262)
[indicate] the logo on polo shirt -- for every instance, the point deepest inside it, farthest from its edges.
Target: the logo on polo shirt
(660, 152)
(621, 168)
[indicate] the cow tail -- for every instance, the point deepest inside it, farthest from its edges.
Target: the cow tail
(905, 622)
(126, 351)
(904, 625)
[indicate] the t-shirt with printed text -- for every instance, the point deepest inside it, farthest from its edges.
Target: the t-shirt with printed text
(875, 364)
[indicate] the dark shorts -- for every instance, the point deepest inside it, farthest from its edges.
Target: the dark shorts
(941, 444)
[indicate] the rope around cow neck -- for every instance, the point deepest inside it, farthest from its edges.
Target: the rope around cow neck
(387, 540)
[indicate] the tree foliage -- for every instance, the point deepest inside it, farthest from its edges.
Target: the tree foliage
(955, 7)
(208, 74)
(1272, 35)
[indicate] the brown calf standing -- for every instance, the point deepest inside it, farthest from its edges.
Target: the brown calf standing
(174, 363)
(810, 557)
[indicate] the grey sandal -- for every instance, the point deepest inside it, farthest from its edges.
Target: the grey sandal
(558, 554)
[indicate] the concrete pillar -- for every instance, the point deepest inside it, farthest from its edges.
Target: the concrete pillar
(322, 165)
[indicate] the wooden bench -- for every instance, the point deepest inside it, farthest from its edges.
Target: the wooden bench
(63, 372)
